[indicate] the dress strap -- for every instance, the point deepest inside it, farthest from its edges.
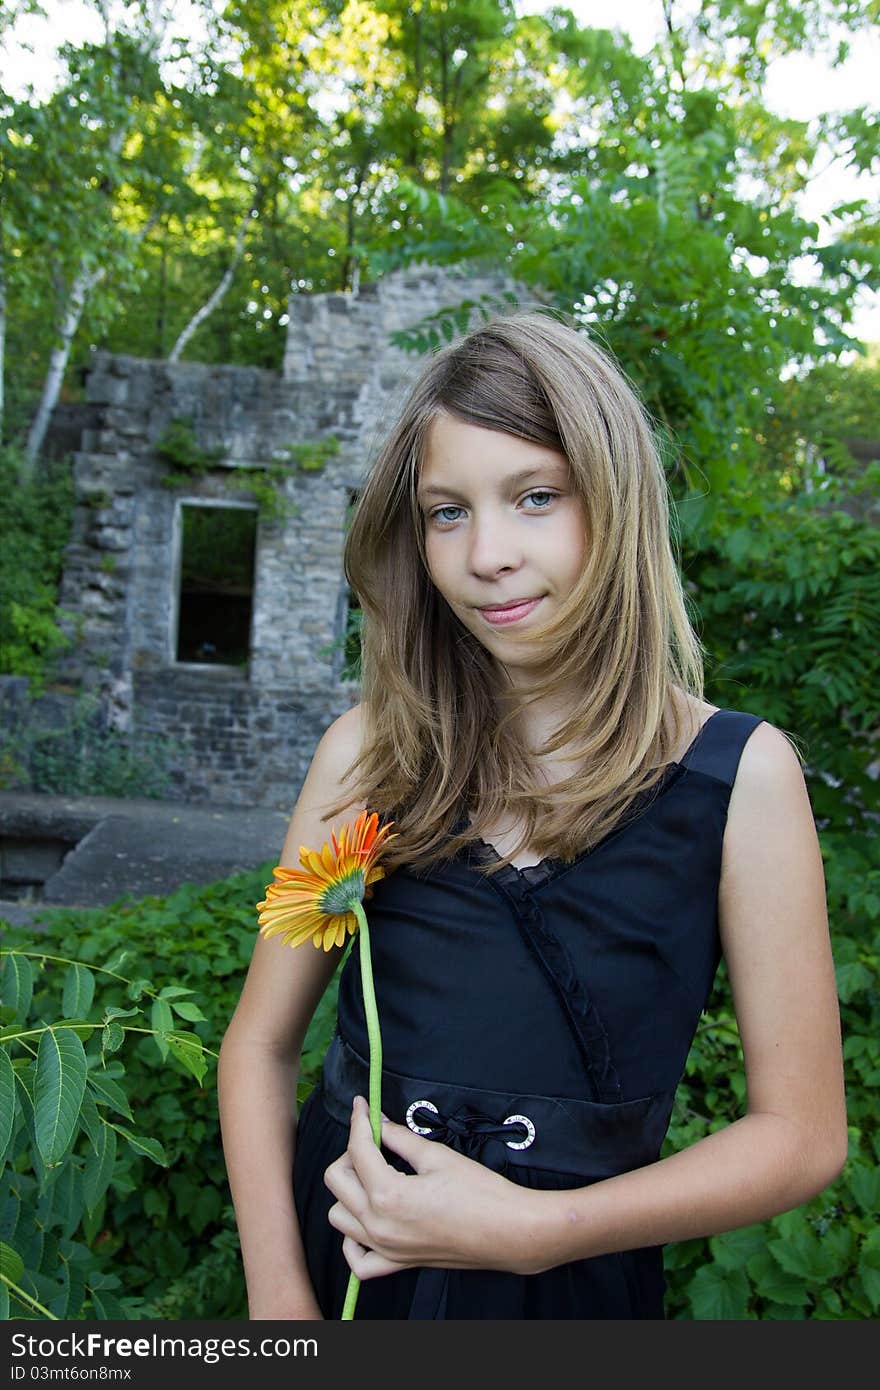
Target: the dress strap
(718, 747)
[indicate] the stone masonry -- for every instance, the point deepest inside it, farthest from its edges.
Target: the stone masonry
(243, 737)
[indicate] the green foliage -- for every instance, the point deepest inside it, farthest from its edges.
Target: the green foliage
(831, 413)
(178, 447)
(787, 589)
(81, 756)
(114, 1194)
(35, 533)
(448, 323)
(62, 1103)
(821, 1260)
(218, 545)
(310, 457)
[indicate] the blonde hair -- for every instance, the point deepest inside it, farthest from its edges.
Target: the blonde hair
(435, 736)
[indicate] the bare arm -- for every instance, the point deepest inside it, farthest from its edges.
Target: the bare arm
(792, 1141)
(790, 1144)
(259, 1062)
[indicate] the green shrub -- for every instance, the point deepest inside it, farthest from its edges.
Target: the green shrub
(153, 984)
(36, 527)
(83, 757)
(787, 591)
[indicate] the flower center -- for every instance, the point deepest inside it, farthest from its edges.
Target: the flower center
(336, 897)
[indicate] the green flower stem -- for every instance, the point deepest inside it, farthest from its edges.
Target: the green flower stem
(26, 1297)
(375, 1087)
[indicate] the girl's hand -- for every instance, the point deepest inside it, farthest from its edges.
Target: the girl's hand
(452, 1213)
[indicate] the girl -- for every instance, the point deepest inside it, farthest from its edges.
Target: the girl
(579, 836)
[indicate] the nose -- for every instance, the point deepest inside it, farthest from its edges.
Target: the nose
(495, 545)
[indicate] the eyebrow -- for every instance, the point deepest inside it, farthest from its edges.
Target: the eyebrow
(540, 470)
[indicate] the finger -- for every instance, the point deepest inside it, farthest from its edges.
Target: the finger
(366, 1263)
(420, 1153)
(342, 1180)
(366, 1159)
(342, 1219)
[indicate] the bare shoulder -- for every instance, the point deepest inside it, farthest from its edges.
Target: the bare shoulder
(768, 767)
(327, 784)
(769, 812)
(283, 986)
(342, 740)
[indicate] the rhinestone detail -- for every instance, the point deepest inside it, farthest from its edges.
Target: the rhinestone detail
(419, 1105)
(530, 1132)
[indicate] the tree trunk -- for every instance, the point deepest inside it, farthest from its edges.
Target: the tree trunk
(83, 284)
(210, 304)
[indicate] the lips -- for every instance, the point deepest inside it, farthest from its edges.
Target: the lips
(510, 612)
(502, 608)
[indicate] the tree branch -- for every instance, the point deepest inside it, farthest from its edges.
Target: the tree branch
(211, 303)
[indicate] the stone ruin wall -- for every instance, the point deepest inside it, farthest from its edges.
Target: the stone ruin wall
(241, 738)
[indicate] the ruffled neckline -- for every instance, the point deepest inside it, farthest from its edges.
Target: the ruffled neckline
(481, 852)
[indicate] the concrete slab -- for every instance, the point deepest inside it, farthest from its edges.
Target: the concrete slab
(137, 847)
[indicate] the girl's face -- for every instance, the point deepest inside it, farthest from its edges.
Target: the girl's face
(505, 534)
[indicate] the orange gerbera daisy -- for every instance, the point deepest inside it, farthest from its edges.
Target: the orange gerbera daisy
(317, 900)
(324, 901)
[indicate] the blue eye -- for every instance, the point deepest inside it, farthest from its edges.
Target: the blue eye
(541, 499)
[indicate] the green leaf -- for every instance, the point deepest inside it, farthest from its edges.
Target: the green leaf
(871, 1286)
(191, 1012)
(17, 985)
(93, 1222)
(115, 962)
(11, 1263)
(110, 1014)
(112, 1037)
(719, 1294)
(174, 992)
(865, 1186)
(90, 1121)
(187, 1048)
(108, 1307)
(58, 1091)
(106, 1090)
(151, 1148)
(81, 1026)
(99, 1168)
(802, 1254)
(852, 979)
(156, 1204)
(79, 991)
(4, 1303)
(829, 1302)
(162, 1022)
(7, 1103)
(775, 1283)
(734, 1248)
(68, 1198)
(25, 1082)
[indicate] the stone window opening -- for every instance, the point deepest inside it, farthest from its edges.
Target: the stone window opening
(214, 590)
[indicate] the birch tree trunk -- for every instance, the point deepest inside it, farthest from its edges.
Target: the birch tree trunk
(84, 282)
(210, 304)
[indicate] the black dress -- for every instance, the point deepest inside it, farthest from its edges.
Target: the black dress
(544, 1016)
